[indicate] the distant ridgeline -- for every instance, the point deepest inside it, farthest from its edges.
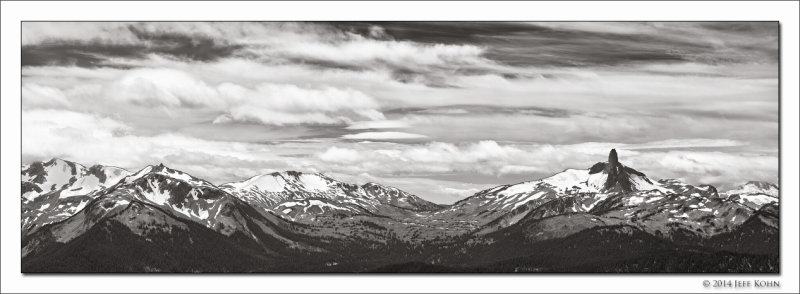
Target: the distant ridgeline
(607, 218)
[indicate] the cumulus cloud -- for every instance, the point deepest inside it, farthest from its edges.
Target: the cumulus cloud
(174, 91)
(722, 169)
(164, 87)
(289, 104)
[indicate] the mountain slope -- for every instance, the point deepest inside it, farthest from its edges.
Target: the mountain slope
(141, 238)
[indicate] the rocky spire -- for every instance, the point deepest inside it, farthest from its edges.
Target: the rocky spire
(612, 157)
(613, 169)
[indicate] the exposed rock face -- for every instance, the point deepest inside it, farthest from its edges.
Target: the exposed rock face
(614, 171)
(612, 157)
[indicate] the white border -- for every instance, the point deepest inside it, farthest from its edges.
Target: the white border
(14, 12)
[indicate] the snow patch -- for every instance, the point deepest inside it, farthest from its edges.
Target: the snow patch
(568, 178)
(267, 183)
(759, 200)
(156, 195)
(313, 182)
(519, 188)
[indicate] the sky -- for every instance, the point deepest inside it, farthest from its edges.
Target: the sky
(441, 110)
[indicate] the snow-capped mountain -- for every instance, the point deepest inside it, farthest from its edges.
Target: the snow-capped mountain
(272, 221)
(586, 187)
(754, 187)
(611, 192)
(175, 191)
(157, 200)
(754, 194)
(57, 189)
(304, 196)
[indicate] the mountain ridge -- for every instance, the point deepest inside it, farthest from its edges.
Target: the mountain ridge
(339, 226)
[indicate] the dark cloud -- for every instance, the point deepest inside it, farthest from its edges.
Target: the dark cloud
(194, 47)
(526, 44)
(97, 53)
(440, 32)
(728, 115)
(760, 28)
(471, 110)
(515, 44)
(77, 53)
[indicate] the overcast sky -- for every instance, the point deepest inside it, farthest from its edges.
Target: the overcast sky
(441, 110)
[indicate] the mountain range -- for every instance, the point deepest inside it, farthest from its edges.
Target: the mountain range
(606, 218)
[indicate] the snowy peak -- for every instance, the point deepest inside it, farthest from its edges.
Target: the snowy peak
(755, 194)
(163, 171)
(755, 188)
(304, 196)
(285, 181)
(182, 195)
(289, 193)
(603, 177)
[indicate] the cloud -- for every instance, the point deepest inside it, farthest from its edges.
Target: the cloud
(323, 44)
(459, 193)
(36, 96)
(98, 44)
(519, 169)
(383, 136)
(356, 50)
(164, 87)
(174, 91)
(289, 104)
(428, 106)
(342, 155)
(485, 157)
(722, 169)
(58, 133)
(381, 124)
(685, 143)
